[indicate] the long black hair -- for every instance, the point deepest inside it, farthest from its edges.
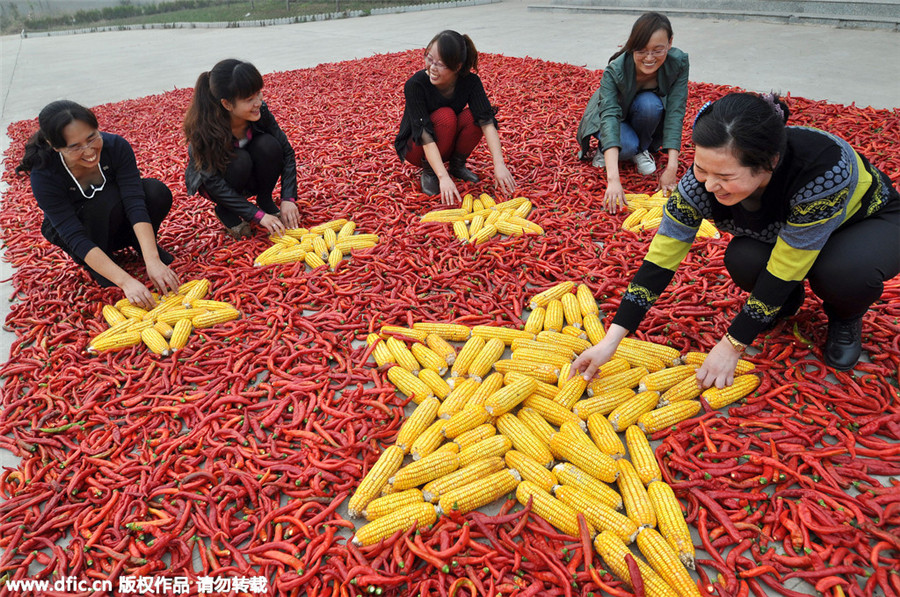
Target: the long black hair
(55, 117)
(207, 124)
(751, 125)
(456, 51)
(643, 29)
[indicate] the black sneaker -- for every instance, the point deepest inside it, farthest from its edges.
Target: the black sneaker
(844, 343)
(457, 169)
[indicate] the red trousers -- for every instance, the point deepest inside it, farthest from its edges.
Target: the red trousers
(454, 134)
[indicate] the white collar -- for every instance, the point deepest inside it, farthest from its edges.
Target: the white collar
(94, 189)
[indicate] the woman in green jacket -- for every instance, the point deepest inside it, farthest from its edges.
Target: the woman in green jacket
(639, 107)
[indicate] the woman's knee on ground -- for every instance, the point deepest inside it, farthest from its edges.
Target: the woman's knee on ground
(745, 259)
(159, 200)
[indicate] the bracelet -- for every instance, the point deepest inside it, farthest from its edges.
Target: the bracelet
(739, 346)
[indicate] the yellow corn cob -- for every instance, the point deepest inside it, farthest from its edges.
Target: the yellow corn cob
(346, 230)
(296, 232)
(575, 332)
(613, 551)
(475, 225)
(473, 436)
(611, 367)
(421, 515)
(167, 304)
(697, 358)
(535, 322)
(593, 328)
(155, 342)
(320, 247)
(708, 230)
(429, 359)
(668, 355)
(201, 288)
(605, 436)
(528, 226)
(461, 231)
(664, 560)
(524, 440)
(468, 201)
(448, 331)
(523, 210)
(616, 381)
(211, 318)
(546, 347)
(634, 218)
(433, 490)
(551, 411)
(402, 354)
(466, 419)
(424, 470)
(210, 305)
(742, 386)
(444, 215)
(357, 242)
(603, 403)
(130, 311)
(571, 310)
(435, 382)
(183, 289)
(487, 201)
(541, 389)
(112, 315)
(139, 325)
(634, 495)
(313, 260)
(638, 358)
(641, 455)
(164, 328)
(480, 492)
(587, 304)
(540, 357)
(508, 397)
(687, 389)
(576, 344)
(548, 507)
(667, 416)
(507, 335)
(553, 319)
(487, 356)
(536, 423)
(429, 440)
(599, 515)
(496, 445)
(409, 384)
(334, 258)
(571, 391)
(508, 229)
(654, 212)
(513, 203)
(542, 298)
(545, 373)
(530, 469)
(180, 334)
(382, 506)
(115, 341)
(649, 223)
(384, 468)
(281, 256)
(585, 456)
(396, 330)
(491, 218)
(565, 372)
(664, 379)
(477, 205)
(333, 225)
(442, 348)
(420, 419)
(628, 413)
(467, 356)
(487, 232)
(491, 384)
(576, 432)
(458, 397)
(381, 353)
(569, 474)
(670, 518)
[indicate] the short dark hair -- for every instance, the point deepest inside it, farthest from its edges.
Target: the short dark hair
(751, 125)
(643, 29)
(52, 120)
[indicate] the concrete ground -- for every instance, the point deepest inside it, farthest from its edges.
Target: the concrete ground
(838, 65)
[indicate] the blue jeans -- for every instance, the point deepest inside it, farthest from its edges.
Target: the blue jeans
(636, 131)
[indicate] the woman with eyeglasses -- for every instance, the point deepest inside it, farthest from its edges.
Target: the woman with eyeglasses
(237, 150)
(94, 200)
(446, 114)
(639, 108)
(802, 204)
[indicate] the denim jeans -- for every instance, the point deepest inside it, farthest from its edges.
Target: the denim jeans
(642, 120)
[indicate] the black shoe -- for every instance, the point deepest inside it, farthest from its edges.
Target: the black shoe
(457, 169)
(844, 343)
(430, 183)
(242, 230)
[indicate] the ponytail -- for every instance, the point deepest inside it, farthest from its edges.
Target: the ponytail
(207, 124)
(52, 120)
(457, 51)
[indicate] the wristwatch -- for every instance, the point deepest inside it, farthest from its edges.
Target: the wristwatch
(740, 347)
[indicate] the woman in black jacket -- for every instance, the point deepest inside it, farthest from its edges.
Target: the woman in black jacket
(237, 150)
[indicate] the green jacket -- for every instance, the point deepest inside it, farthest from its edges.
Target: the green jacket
(609, 104)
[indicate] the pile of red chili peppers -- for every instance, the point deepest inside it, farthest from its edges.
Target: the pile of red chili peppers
(237, 451)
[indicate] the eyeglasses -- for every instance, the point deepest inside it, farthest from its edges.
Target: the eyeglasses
(655, 53)
(76, 150)
(429, 62)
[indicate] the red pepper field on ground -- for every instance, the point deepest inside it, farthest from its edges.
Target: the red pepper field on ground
(238, 449)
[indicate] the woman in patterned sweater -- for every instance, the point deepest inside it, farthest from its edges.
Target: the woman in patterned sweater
(801, 203)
